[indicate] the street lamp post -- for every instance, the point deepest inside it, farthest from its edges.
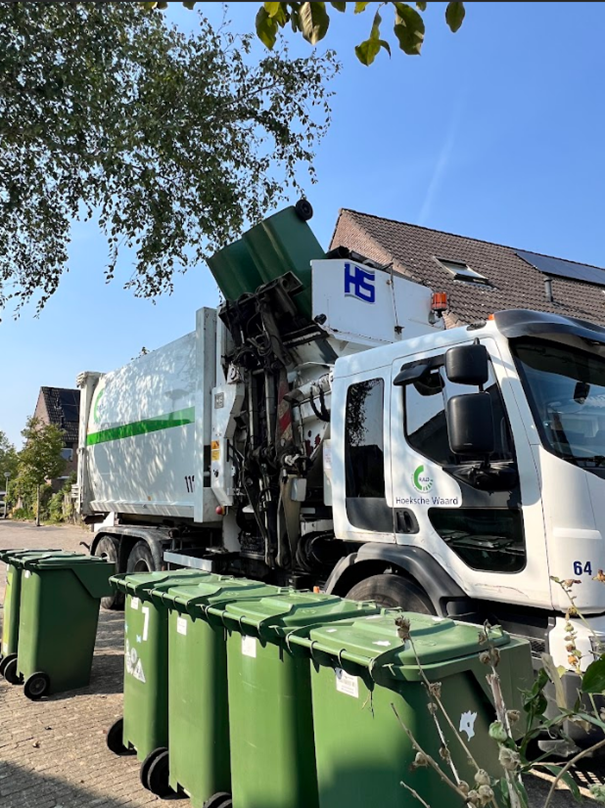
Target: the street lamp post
(7, 474)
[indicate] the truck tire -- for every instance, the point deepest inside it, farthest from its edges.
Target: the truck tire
(108, 549)
(140, 558)
(393, 592)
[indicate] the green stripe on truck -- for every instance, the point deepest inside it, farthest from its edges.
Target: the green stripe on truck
(177, 418)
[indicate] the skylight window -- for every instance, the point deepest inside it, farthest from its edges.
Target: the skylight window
(462, 271)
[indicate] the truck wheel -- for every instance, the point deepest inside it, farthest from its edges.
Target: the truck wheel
(140, 558)
(107, 548)
(392, 592)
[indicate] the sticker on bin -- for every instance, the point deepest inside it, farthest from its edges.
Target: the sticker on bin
(28, 573)
(249, 646)
(345, 683)
(181, 625)
(134, 603)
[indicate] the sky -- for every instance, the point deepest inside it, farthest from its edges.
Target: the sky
(495, 132)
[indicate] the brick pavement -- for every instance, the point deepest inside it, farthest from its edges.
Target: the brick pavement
(53, 752)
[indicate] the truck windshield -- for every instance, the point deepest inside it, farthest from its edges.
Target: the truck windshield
(566, 390)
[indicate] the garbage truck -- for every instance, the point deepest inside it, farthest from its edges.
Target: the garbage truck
(322, 428)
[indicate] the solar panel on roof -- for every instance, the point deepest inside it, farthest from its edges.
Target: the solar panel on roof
(564, 269)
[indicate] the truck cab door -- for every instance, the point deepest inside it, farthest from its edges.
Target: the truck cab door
(475, 530)
(361, 457)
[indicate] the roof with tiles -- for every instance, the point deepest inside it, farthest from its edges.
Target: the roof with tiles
(63, 408)
(513, 283)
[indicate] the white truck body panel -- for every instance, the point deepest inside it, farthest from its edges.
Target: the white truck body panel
(148, 423)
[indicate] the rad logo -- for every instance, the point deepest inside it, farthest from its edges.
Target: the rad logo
(422, 480)
(359, 283)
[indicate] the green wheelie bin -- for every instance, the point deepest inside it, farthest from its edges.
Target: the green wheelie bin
(269, 686)
(58, 616)
(198, 760)
(144, 726)
(10, 623)
(363, 672)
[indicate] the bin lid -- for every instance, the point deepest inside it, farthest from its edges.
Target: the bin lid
(19, 558)
(222, 589)
(140, 584)
(7, 555)
(92, 572)
(373, 641)
(279, 614)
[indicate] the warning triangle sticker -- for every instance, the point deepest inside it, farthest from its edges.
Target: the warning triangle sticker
(138, 672)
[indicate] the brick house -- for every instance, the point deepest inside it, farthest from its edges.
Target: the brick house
(479, 277)
(61, 406)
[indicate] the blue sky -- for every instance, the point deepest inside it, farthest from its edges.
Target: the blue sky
(495, 132)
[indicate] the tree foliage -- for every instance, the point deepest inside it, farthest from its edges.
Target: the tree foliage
(40, 459)
(174, 141)
(312, 21)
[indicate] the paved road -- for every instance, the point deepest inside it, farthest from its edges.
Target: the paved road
(53, 753)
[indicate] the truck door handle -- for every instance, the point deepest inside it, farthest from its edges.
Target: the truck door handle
(405, 521)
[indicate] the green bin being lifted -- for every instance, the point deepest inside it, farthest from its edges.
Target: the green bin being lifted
(269, 684)
(198, 759)
(144, 726)
(281, 243)
(59, 611)
(362, 670)
(10, 622)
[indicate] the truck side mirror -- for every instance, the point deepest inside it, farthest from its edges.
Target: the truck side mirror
(470, 421)
(467, 364)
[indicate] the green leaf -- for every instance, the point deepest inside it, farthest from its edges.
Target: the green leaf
(566, 778)
(339, 6)
(593, 680)
(272, 8)
(314, 21)
(266, 28)
(367, 51)
(409, 29)
(555, 677)
(421, 6)
(359, 7)
(454, 15)
(189, 4)
(384, 44)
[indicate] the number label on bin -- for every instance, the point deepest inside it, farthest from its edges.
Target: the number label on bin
(181, 625)
(249, 646)
(345, 683)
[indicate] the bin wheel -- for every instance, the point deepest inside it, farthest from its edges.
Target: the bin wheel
(218, 800)
(393, 592)
(157, 780)
(36, 685)
(4, 661)
(115, 739)
(146, 765)
(9, 669)
(304, 210)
